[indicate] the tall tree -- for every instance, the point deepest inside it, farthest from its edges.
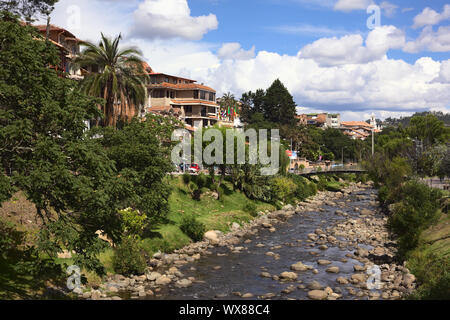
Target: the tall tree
(279, 105)
(121, 77)
(28, 8)
(252, 103)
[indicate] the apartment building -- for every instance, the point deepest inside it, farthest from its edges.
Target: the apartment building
(321, 120)
(357, 129)
(193, 103)
(68, 45)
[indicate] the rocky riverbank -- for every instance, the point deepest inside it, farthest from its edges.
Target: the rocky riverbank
(361, 231)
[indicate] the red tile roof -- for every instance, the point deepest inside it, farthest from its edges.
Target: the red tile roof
(355, 124)
(183, 86)
(189, 102)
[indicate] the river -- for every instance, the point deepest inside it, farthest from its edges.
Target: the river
(222, 274)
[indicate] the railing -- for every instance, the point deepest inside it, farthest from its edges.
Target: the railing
(330, 169)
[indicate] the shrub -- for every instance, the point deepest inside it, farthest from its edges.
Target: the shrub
(186, 178)
(250, 208)
(133, 222)
(283, 189)
(129, 257)
(417, 209)
(193, 228)
(433, 275)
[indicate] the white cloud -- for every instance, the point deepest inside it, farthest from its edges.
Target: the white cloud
(429, 40)
(386, 84)
(444, 73)
(430, 17)
(170, 19)
(233, 50)
(350, 5)
(388, 8)
(350, 49)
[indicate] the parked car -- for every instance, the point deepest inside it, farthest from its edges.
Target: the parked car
(194, 168)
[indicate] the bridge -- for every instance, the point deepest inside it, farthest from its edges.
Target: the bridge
(354, 168)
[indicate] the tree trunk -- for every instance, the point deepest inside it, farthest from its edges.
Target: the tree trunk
(109, 107)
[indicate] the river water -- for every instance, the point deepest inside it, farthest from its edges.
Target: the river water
(241, 272)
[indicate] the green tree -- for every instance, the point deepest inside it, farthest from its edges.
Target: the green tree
(46, 153)
(279, 105)
(252, 103)
(121, 76)
(28, 8)
(141, 159)
(428, 129)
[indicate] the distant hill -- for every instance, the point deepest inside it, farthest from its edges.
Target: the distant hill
(404, 121)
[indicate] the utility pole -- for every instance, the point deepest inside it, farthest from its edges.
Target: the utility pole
(373, 144)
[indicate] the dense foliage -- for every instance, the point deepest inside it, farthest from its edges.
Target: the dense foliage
(193, 228)
(78, 181)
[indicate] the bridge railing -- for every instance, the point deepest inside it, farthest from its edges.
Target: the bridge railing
(345, 168)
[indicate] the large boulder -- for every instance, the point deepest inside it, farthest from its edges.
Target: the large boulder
(299, 266)
(163, 280)
(211, 236)
(289, 276)
(317, 295)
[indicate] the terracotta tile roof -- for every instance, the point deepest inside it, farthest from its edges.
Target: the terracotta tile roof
(43, 28)
(183, 86)
(188, 102)
(168, 75)
(355, 124)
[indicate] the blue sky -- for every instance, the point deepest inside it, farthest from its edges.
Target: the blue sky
(322, 50)
(285, 26)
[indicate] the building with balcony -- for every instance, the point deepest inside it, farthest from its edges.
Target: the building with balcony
(193, 103)
(68, 45)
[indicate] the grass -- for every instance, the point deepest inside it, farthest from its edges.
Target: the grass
(214, 214)
(430, 262)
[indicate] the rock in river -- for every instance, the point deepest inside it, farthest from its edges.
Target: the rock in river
(317, 295)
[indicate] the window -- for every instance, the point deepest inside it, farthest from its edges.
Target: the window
(167, 94)
(187, 109)
(172, 95)
(202, 95)
(195, 94)
(153, 79)
(166, 79)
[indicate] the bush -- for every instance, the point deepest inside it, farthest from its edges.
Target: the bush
(133, 222)
(417, 209)
(433, 275)
(283, 189)
(186, 178)
(303, 191)
(192, 228)
(250, 208)
(129, 257)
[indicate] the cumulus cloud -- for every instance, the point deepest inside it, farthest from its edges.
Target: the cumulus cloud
(233, 50)
(430, 40)
(430, 17)
(170, 19)
(350, 49)
(390, 85)
(350, 5)
(444, 73)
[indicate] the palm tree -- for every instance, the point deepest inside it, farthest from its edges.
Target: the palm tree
(120, 79)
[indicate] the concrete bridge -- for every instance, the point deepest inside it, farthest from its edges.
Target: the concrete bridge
(354, 168)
